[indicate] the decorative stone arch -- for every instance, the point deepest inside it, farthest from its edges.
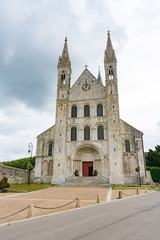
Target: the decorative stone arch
(100, 124)
(129, 164)
(88, 103)
(45, 168)
(73, 125)
(87, 153)
(103, 108)
(70, 109)
(48, 146)
(50, 168)
(131, 144)
(87, 124)
(69, 131)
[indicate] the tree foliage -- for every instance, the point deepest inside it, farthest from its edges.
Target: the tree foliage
(153, 157)
(21, 163)
(155, 173)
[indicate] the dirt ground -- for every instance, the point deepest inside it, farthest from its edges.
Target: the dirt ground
(53, 197)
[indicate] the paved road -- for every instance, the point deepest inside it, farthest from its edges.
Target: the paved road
(136, 218)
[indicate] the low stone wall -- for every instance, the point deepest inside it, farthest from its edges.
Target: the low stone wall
(15, 175)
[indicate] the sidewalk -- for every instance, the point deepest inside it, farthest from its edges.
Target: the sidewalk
(53, 197)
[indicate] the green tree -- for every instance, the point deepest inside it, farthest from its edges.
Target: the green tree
(153, 157)
(21, 163)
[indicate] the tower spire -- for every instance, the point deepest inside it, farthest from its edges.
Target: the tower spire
(99, 76)
(64, 59)
(110, 61)
(109, 53)
(65, 50)
(64, 67)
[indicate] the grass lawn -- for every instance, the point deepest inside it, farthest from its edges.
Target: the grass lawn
(31, 187)
(120, 187)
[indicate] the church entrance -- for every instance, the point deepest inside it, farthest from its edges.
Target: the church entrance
(87, 169)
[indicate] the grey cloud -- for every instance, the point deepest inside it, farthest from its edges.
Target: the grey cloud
(30, 46)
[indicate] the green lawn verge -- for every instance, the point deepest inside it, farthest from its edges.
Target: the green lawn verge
(121, 187)
(31, 187)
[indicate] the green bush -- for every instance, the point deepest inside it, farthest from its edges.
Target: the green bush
(4, 184)
(155, 173)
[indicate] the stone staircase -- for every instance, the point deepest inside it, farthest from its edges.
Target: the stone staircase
(86, 181)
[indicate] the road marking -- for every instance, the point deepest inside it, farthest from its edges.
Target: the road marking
(109, 195)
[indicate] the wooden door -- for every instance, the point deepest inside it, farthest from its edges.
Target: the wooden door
(87, 166)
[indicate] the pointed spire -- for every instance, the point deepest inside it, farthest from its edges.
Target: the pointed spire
(99, 76)
(109, 43)
(64, 59)
(65, 50)
(109, 53)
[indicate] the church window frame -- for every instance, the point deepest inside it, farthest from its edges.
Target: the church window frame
(110, 73)
(99, 110)
(127, 146)
(63, 78)
(74, 112)
(50, 149)
(87, 111)
(100, 132)
(87, 133)
(73, 134)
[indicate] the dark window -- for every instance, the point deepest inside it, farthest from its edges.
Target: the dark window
(110, 73)
(50, 149)
(87, 133)
(127, 146)
(86, 111)
(74, 112)
(100, 133)
(73, 134)
(99, 110)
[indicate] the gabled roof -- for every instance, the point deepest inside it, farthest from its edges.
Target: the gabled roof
(85, 73)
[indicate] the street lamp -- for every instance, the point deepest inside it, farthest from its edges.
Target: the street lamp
(30, 150)
(139, 176)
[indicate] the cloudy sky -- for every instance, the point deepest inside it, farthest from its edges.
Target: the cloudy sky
(31, 39)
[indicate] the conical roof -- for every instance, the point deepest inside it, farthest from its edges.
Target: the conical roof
(109, 52)
(99, 78)
(64, 59)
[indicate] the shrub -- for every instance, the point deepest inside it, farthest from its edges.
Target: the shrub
(4, 184)
(155, 173)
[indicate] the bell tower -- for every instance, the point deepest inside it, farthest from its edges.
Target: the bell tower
(113, 121)
(63, 86)
(64, 70)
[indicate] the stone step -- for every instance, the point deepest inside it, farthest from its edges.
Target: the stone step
(86, 181)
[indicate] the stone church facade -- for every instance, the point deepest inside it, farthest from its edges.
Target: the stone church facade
(88, 133)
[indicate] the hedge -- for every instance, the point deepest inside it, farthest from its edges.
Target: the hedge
(155, 173)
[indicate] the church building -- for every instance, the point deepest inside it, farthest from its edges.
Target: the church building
(88, 136)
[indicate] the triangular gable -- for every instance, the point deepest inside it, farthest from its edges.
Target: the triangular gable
(86, 74)
(136, 131)
(46, 132)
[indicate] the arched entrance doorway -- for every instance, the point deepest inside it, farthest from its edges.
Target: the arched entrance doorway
(87, 159)
(87, 169)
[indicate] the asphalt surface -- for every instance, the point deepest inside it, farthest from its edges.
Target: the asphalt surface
(136, 218)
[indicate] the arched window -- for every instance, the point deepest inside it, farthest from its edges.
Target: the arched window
(110, 73)
(73, 134)
(100, 133)
(74, 112)
(50, 146)
(86, 111)
(99, 110)
(127, 146)
(87, 133)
